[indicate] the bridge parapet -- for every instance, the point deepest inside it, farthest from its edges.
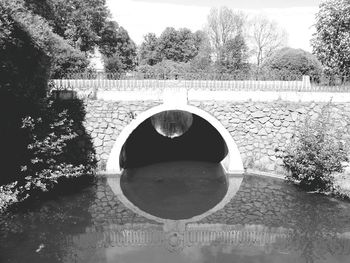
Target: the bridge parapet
(214, 85)
(200, 90)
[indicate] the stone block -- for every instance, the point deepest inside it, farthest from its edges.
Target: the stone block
(258, 114)
(277, 123)
(264, 119)
(98, 142)
(262, 132)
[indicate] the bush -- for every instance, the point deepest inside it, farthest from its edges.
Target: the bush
(113, 64)
(67, 59)
(289, 63)
(53, 146)
(57, 148)
(319, 150)
(167, 69)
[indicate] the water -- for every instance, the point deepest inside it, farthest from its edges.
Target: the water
(268, 220)
(175, 190)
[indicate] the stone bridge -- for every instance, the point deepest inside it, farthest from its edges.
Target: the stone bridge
(256, 119)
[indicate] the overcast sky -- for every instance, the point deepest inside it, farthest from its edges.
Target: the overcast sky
(140, 17)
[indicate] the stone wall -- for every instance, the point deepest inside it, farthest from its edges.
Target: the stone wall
(105, 121)
(261, 130)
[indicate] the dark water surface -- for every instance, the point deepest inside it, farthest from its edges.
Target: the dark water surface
(175, 190)
(268, 220)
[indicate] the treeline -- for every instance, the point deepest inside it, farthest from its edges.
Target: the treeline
(231, 43)
(235, 44)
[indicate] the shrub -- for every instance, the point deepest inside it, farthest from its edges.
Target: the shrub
(319, 150)
(57, 148)
(113, 64)
(289, 63)
(67, 59)
(50, 153)
(167, 69)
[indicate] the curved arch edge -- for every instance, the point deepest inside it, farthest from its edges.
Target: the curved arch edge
(232, 163)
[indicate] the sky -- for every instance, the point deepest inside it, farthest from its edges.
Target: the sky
(140, 17)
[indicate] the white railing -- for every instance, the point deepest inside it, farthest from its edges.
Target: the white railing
(212, 85)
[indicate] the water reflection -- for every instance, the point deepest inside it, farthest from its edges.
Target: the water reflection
(266, 221)
(175, 190)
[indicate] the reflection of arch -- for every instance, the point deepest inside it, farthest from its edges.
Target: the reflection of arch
(232, 162)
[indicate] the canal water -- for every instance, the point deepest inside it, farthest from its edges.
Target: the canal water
(268, 220)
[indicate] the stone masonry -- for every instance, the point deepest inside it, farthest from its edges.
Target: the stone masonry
(261, 130)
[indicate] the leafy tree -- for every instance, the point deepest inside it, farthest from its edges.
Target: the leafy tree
(148, 53)
(168, 45)
(331, 42)
(117, 48)
(66, 60)
(80, 22)
(202, 62)
(177, 45)
(26, 45)
(289, 63)
(234, 56)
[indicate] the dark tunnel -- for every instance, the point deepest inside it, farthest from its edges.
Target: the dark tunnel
(200, 142)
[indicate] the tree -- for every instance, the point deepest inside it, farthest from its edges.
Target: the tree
(202, 62)
(331, 42)
(177, 45)
(67, 59)
(224, 24)
(265, 37)
(290, 63)
(148, 51)
(79, 22)
(26, 46)
(116, 45)
(234, 56)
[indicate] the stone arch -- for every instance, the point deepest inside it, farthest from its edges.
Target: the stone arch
(232, 163)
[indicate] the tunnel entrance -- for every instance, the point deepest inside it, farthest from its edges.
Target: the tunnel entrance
(173, 136)
(176, 162)
(172, 165)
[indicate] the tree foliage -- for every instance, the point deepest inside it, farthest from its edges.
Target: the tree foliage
(177, 45)
(148, 53)
(79, 22)
(116, 45)
(233, 56)
(289, 63)
(26, 48)
(331, 42)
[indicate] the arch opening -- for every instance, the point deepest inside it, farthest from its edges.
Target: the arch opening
(171, 136)
(232, 162)
(177, 177)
